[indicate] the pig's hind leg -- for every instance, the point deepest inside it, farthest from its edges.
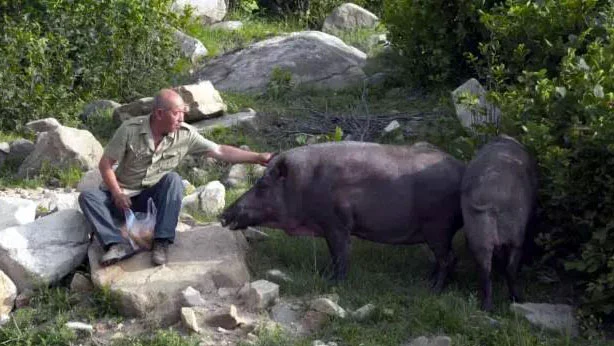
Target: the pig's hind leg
(482, 236)
(438, 235)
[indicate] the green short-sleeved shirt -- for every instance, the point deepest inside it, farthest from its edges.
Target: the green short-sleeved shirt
(139, 166)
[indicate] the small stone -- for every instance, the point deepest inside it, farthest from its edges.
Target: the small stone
(23, 298)
(80, 326)
(225, 292)
(4, 319)
(80, 283)
(192, 297)
(213, 198)
(434, 341)
(237, 175)
(260, 294)
(254, 235)
(328, 307)
(277, 275)
(188, 317)
(364, 312)
(388, 312)
(558, 317)
(392, 126)
(230, 25)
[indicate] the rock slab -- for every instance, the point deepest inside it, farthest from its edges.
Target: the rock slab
(557, 317)
(61, 148)
(45, 250)
(312, 58)
(205, 258)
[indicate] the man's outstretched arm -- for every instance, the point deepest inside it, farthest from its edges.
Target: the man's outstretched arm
(235, 155)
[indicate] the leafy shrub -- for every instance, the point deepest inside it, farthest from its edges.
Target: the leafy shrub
(59, 54)
(433, 35)
(536, 35)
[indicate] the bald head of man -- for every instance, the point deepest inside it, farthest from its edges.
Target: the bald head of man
(168, 112)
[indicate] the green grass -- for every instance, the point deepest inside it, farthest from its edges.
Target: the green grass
(48, 175)
(6, 136)
(395, 277)
(159, 338)
(42, 323)
(254, 29)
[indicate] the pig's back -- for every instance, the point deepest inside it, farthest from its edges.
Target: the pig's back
(389, 188)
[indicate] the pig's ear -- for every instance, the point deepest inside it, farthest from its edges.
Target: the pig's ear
(281, 169)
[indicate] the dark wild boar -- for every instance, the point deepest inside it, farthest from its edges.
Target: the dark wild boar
(382, 193)
(499, 197)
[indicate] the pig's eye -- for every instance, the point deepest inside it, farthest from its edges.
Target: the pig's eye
(261, 184)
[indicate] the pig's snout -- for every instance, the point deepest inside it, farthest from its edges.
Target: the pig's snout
(229, 219)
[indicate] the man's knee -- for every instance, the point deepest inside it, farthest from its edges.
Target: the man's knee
(173, 181)
(86, 197)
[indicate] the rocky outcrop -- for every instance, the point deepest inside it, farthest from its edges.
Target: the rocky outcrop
(348, 17)
(205, 258)
(45, 250)
(62, 147)
(312, 58)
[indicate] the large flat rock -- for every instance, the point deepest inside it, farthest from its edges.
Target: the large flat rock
(313, 58)
(46, 250)
(205, 258)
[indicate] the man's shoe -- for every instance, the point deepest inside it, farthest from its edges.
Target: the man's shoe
(160, 250)
(116, 253)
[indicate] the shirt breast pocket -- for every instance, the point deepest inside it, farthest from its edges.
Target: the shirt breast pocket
(170, 160)
(139, 153)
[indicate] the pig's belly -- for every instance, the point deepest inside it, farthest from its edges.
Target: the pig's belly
(404, 235)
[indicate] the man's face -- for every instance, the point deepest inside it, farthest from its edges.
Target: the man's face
(172, 115)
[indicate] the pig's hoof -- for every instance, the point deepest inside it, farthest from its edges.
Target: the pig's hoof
(486, 307)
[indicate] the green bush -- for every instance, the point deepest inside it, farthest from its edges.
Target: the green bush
(567, 122)
(433, 35)
(529, 35)
(57, 55)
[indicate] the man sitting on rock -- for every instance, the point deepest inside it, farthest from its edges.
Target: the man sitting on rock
(147, 149)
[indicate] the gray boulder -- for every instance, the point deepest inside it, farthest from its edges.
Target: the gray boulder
(229, 120)
(133, 109)
(209, 11)
(556, 317)
(60, 148)
(348, 17)
(43, 125)
(481, 113)
(20, 149)
(97, 107)
(231, 25)
(45, 250)
(16, 211)
(312, 58)
(191, 48)
(205, 258)
(204, 101)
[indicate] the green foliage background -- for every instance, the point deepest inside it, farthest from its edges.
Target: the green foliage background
(548, 65)
(57, 54)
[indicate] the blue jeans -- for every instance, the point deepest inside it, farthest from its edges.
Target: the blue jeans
(102, 214)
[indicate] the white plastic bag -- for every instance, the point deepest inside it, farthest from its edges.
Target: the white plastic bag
(139, 227)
